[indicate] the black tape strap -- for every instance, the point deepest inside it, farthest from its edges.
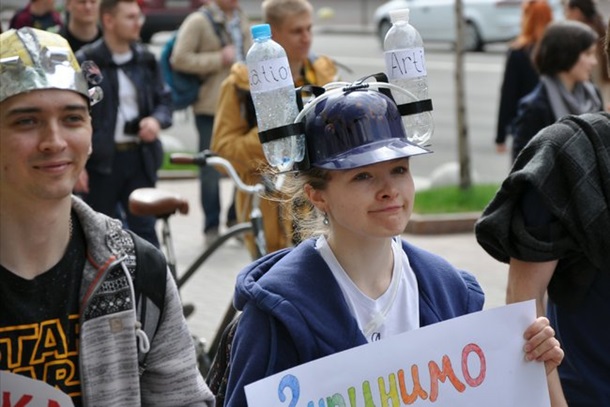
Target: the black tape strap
(419, 106)
(313, 89)
(291, 129)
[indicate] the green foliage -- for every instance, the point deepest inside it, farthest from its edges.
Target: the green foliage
(452, 199)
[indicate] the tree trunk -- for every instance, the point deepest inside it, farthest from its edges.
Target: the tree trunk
(460, 104)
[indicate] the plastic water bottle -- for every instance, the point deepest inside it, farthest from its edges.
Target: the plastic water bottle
(406, 67)
(274, 97)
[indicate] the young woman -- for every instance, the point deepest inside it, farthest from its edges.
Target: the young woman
(355, 280)
(520, 76)
(565, 59)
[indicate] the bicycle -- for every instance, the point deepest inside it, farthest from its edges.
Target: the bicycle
(164, 204)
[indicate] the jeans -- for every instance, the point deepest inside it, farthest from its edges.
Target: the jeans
(109, 193)
(208, 176)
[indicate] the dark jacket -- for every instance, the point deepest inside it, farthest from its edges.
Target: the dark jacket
(294, 310)
(568, 165)
(520, 78)
(534, 114)
(154, 99)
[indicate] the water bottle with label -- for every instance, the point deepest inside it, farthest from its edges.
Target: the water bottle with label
(406, 68)
(274, 97)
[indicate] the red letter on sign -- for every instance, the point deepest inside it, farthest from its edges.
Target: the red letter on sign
(471, 347)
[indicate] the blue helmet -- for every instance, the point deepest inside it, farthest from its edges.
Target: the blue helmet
(355, 127)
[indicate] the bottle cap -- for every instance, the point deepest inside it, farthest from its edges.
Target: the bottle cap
(399, 15)
(261, 31)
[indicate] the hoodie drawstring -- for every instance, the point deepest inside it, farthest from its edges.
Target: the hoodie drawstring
(143, 341)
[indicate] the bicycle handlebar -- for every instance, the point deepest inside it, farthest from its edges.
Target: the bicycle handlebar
(206, 157)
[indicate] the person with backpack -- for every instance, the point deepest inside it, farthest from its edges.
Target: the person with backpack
(85, 306)
(208, 42)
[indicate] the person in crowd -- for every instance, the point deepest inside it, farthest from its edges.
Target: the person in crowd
(586, 11)
(355, 195)
(127, 151)
(550, 222)
(565, 58)
(235, 134)
(40, 14)
(520, 76)
(209, 41)
(72, 280)
(83, 25)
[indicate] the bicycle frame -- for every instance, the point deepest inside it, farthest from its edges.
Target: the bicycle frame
(254, 225)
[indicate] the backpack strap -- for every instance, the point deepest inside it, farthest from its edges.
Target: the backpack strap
(218, 28)
(150, 286)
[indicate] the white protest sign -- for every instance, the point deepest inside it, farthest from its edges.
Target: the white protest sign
(18, 390)
(474, 360)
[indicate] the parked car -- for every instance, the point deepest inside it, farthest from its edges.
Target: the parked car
(487, 21)
(165, 15)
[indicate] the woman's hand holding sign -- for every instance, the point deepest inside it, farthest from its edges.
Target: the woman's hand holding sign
(542, 345)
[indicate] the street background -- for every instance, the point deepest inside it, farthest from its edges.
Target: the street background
(348, 37)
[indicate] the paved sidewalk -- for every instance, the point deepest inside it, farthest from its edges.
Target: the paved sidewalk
(211, 288)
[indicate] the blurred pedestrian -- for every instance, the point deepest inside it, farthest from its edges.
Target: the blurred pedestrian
(565, 58)
(235, 129)
(40, 14)
(209, 41)
(520, 76)
(586, 11)
(85, 306)
(127, 151)
(550, 222)
(83, 25)
(352, 280)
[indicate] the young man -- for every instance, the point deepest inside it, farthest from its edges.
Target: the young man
(72, 281)
(235, 130)
(209, 41)
(39, 14)
(550, 222)
(83, 26)
(137, 104)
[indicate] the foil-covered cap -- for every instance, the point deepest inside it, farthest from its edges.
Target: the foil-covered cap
(32, 59)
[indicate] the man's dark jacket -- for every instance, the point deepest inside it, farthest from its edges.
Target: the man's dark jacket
(154, 99)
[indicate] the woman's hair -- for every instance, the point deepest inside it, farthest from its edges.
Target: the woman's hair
(535, 16)
(608, 46)
(275, 11)
(561, 46)
(588, 8)
(307, 221)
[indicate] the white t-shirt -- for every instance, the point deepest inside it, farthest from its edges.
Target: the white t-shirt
(128, 101)
(395, 311)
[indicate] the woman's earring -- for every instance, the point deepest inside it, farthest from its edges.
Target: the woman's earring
(325, 220)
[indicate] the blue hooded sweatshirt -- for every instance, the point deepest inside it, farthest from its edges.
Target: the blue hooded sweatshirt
(294, 311)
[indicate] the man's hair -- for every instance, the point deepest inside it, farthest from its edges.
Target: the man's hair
(108, 6)
(561, 46)
(275, 11)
